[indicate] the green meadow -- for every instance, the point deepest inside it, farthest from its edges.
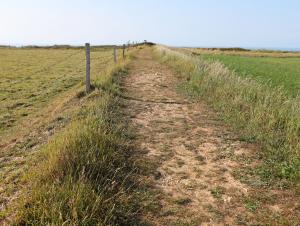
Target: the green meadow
(277, 71)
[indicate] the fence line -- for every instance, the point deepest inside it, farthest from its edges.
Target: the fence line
(88, 60)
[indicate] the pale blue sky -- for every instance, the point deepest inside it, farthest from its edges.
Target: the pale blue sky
(244, 23)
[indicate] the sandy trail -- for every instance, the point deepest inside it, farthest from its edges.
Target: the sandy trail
(195, 154)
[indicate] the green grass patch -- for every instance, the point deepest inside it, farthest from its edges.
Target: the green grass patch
(252, 205)
(280, 72)
(217, 192)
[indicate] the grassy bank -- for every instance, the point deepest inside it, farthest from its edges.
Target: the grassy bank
(38, 78)
(85, 175)
(262, 113)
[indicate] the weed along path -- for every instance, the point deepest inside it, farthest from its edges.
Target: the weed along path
(191, 156)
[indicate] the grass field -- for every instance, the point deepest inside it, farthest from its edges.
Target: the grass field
(283, 71)
(31, 78)
(244, 52)
(42, 92)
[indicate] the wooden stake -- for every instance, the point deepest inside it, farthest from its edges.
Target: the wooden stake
(115, 55)
(88, 80)
(123, 51)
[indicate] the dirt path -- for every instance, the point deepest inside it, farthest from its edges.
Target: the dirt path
(194, 155)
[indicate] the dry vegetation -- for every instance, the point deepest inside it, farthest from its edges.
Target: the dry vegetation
(262, 113)
(31, 78)
(55, 77)
(67, 159)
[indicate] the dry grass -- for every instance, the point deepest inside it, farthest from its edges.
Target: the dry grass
(85, 175)
(93, 128)
(31, 78)
(261, 113)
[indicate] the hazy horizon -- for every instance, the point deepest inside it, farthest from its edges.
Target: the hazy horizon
(249, 24)
(296, 49)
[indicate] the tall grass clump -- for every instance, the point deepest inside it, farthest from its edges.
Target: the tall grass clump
(262, 113)
(85, 175)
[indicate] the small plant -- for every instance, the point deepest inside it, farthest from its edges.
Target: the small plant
(217, 192)
(183, 201)
(201, 159)
(251, 205)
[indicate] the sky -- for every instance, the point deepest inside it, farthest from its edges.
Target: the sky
(201, 23)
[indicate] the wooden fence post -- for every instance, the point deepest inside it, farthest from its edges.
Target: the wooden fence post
(115, 55)
(123, 51)
(88, 79)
